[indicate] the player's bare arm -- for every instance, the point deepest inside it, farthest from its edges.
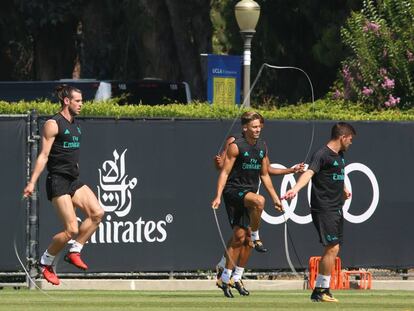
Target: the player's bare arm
(298, 168)
(302, 182)
(50, 130)
(232, 153)
(267, 182)
(219, 159)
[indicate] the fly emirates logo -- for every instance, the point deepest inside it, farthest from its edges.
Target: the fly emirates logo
(115, 196)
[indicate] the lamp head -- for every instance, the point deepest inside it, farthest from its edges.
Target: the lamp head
(247, 15)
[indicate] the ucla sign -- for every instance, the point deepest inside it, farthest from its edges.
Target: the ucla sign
(224, 79)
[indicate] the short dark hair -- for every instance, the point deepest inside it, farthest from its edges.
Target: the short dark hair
(65, 90)
(251, 116)
(342, 128)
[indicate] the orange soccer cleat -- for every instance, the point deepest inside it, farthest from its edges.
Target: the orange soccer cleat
(75, 259)
(49, 274)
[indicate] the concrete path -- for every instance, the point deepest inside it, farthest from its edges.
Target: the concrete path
(176, 285)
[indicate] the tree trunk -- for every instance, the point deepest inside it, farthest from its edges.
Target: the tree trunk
(192, 31)
(55, 52)
(157, 53)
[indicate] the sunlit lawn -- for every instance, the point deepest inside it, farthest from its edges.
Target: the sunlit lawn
(201, 300)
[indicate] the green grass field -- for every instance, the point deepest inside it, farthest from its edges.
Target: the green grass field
(203, 300)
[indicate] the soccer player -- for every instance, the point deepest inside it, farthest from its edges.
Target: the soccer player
(61, 141)
(238, 183)
(327, 171)
(256, 241)
(219, 161)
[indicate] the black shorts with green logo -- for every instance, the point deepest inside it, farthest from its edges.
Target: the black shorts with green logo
(237, 213)
(58, 185)
(329, 225)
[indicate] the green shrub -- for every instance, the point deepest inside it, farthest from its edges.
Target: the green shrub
(380, 70)
(322, 110)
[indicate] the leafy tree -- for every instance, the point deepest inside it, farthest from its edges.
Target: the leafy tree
(301, 33)
(134, 39)
(105, 39)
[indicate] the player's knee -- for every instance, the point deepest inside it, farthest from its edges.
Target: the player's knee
(333, 250)
(98, 215)
(259, 203)
(336, 248)
(95, 213)
(71, 232)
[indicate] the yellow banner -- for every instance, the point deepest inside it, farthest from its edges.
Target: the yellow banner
(224, 91)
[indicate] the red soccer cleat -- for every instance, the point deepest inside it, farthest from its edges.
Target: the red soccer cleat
(74, 258)
(49, 274)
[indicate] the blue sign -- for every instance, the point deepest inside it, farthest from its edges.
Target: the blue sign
(224, 79)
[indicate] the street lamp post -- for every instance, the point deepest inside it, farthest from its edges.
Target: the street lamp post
(247, 15)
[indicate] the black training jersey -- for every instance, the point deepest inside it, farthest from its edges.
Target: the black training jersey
(328, 180)
(64, 155)
(245, 173)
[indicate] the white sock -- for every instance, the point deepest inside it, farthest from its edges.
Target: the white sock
(225, 277)
(255, 235)
(238, 273)
(323, 281)
(47, 259)
(76, 247)
(222, 262)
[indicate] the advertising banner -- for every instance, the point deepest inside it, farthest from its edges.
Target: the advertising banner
(224, 79)
(13, 219)
(156, 179)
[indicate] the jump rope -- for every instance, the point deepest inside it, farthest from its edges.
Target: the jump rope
(287, 235)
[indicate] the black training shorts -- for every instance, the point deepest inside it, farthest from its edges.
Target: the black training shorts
(329, 225)
(58, 185)
(237, 213)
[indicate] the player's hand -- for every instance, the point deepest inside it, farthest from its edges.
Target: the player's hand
(28, 191)
(347, 194)
(218, 162)
(279, 206)
(216, 203)
(299, 168)
(290, 194)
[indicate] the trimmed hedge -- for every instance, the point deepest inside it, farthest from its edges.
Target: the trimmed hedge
(321, 110)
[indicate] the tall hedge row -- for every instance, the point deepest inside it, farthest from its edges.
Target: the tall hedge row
(320, 110)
